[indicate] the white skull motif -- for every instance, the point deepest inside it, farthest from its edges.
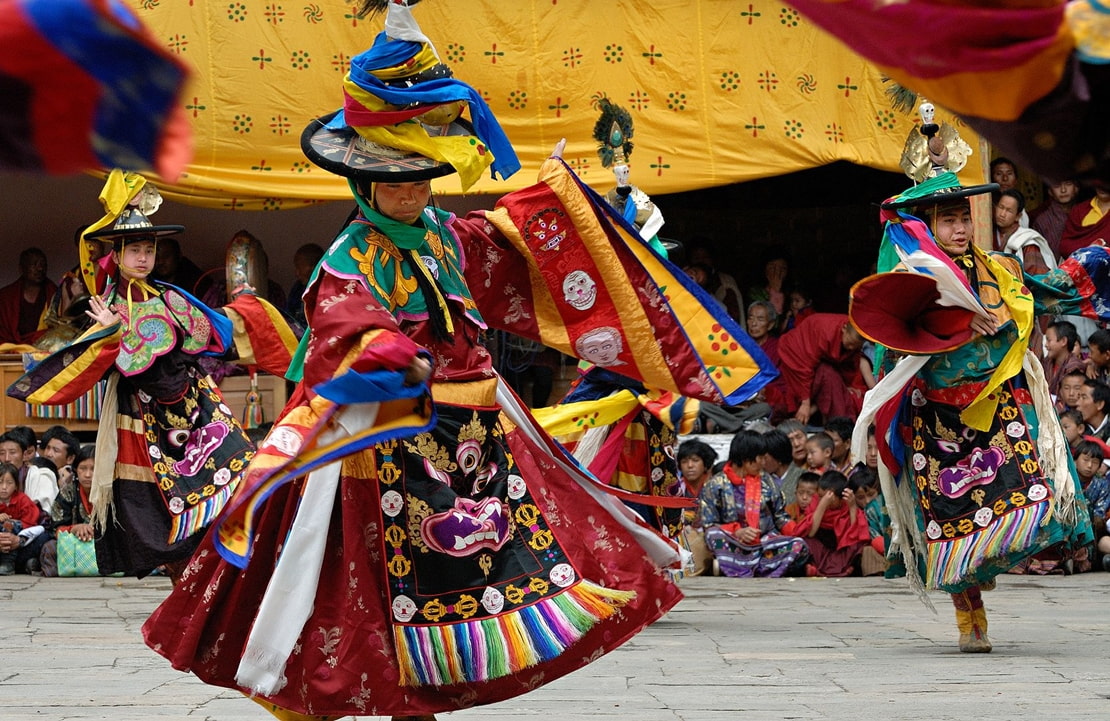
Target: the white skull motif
(579, 289)
(493, 600)
(221, 477)
(392, 503)
(404, 608)
(562, 575)
(516, 487)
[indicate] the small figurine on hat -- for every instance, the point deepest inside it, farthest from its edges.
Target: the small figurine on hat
(170, 451)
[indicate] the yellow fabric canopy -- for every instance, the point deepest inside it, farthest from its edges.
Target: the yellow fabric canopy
(720, 91)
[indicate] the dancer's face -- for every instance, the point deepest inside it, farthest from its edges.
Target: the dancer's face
(403, 202)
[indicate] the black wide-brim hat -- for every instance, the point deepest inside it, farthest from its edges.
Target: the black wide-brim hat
(344, 152)
(133, 226)
(942, 197)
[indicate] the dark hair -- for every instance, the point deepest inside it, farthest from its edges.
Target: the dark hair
(862, 476)
(1100, 339)
(841, 426)
(1075, 416)
(1099, 392)
(1077, 371)
(84, 453)
(824, 440)
(1065, 329)
(1000, 160)
(24, 436)
(1011, 193)
(64, 435)
(9, 469)
(1091, 448)
(701, 449)
(833, 481)
(746, 446)
(778, 446)
(808, 477)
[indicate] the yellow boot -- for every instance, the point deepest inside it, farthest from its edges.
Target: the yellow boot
(973, 631)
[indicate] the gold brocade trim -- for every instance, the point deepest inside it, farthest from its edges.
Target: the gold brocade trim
(481, 393)
(131, 472)
(240, 337)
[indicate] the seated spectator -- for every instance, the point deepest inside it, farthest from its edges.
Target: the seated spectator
(743, 514)
(1094, 403)
(864, 484)
(804, 491)
(801, 307)
(170, 266)
(1088, 222)
(305, 261)
(1070, 387)
(28, 440)
(1050, 218)
(834, 528)
(840, 428)
(1028, 245)
(820, 362)
(22, 533)
(799, 455)
(695, 465)
(778, 456)
(1061, 354)
(776, 271)
(721, 286)
(72, 511)
(819, 450)
(11, 451)
(24, 300)
(762, 324)
(1004, 172)
(1071, 422)
(60, 446)
(1098, 355)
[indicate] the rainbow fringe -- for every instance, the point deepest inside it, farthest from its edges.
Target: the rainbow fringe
(952, 562)
(197, 518)
(489, 648)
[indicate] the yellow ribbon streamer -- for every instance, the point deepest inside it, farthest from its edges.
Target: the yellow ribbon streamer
(119, 189)
(564, 419)
(461, 151)
(1017, 298)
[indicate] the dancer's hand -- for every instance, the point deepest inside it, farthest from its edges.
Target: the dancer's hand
(559, 148)
(983, 326)
(101, 313)
(418, 371)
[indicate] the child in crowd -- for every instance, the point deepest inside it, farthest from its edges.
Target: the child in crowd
(1071, 385)
(819, 451)
(840, 430)
(804, 492)
(864, 484)
(801, 307)
(19, 518)
(1098, 360)
(72, 511)
(1072, 424)
(834, 528)
(1089, 456)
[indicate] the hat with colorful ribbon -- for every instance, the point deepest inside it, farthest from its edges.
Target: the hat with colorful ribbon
(400, 120)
